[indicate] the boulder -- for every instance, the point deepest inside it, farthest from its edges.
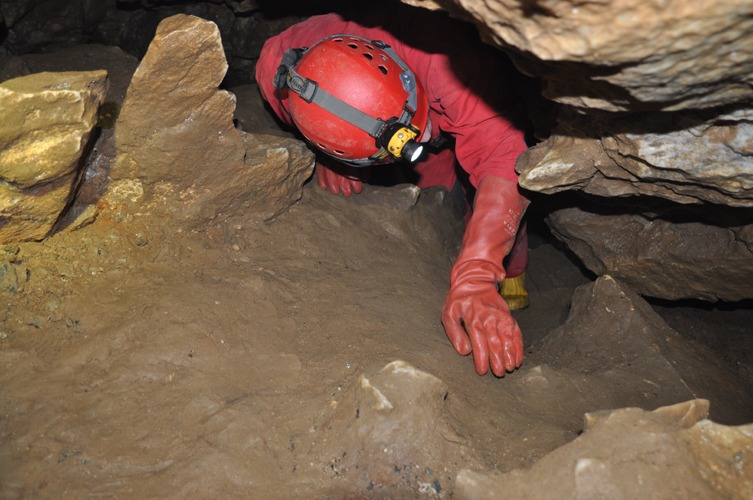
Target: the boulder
(613, 338)
(175, 135)
(687, 157)
(679, 254)
(632, 453)
(390, 435)
(45, 131)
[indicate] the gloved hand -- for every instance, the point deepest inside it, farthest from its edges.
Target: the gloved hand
(342, 179)
(475, 316)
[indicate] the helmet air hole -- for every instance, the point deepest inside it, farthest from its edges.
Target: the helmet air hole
(339, 153)
(368, 56)
(352, 45)
(383, 69)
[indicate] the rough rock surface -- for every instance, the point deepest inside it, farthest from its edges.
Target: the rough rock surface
(683, 157)
(628, 55)
(91, 57)
(45, 130)
(392, 430)
(680, 254)
(175, 118)
(699, 246)
(673, 451)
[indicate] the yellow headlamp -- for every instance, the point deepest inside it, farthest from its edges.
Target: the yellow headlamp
(401, 142)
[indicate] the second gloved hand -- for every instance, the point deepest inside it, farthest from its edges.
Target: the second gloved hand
(341, 179)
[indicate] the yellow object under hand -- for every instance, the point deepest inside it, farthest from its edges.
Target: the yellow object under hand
(514, 293)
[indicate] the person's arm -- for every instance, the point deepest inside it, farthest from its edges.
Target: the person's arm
(475, 316)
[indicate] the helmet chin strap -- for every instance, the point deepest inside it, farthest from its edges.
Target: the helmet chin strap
(311, 92)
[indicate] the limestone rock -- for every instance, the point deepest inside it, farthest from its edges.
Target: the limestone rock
(685, 157)
(391, 435)
(175, 134)
(685, 253)
(46, 126)
(90, 57)
(627, 453)
(626, 54)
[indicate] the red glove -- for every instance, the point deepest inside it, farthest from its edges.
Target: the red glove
(342, 179)
(475, 316)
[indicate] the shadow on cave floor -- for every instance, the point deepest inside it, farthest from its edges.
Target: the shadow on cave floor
(724, 327)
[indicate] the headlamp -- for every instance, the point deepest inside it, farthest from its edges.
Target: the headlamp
(400, 141)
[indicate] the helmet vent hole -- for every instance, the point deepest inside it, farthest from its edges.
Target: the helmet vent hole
(337, 39)
(368, 56)
(353, 45)
(383, 69)
(339, 153)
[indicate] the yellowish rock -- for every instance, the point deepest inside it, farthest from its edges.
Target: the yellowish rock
(46, 120)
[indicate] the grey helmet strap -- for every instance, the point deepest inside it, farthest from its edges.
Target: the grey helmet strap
(310, 91)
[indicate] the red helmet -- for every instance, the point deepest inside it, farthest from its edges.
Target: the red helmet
(355, 100)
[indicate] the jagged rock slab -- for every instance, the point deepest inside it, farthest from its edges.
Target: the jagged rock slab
(175, 135)
(683, 157)
(631, 453)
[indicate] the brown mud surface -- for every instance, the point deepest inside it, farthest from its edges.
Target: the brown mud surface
(257, 359)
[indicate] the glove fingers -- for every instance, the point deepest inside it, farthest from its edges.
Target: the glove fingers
(346, 186)
(512, 341)
(455, 332)
(321, 176)
(333, 182)
(328, 180)
(505, 344)
(498, 354)
(336, 183)
(481, 349)
(519, 347)
(357, 186)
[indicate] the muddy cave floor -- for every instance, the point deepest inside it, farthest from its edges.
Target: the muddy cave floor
(141, 359)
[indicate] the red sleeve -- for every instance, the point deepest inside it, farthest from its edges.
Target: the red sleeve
(472, 107)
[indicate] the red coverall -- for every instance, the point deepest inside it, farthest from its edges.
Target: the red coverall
(465, 91)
